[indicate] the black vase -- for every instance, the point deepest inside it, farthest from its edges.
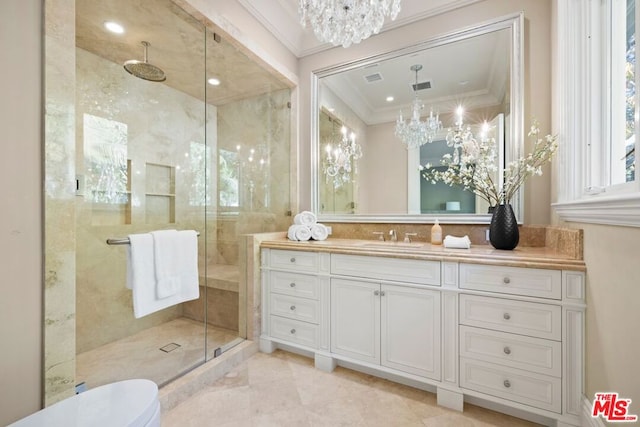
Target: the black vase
(503, 231)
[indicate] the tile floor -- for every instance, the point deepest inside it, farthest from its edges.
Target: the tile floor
(284, 389)
(139, 356)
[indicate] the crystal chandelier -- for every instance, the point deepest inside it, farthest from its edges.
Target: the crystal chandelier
(415, 133)
(343, 22)
(339, 164)
(462, 140)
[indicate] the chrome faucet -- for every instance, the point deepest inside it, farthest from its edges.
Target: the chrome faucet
(393, 236)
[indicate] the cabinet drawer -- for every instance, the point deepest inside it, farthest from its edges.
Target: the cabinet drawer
(294, 308)
(533, 282)
(516, 351)
(395, 269)
(294, 260)
(519, 317)
(300, 285)
(536, 390)
(294, 331)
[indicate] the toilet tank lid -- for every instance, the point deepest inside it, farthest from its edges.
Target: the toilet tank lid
(128, 403)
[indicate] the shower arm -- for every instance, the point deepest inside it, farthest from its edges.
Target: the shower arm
(126, 241)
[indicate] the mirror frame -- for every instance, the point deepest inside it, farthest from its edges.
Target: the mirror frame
(514, 135)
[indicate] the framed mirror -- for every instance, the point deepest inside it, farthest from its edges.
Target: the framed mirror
(470, 79)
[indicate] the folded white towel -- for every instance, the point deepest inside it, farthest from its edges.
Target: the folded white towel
(305, 218)
(167, 262)
(299, 232)
(457, 242)
(141, 272)
(319, 232)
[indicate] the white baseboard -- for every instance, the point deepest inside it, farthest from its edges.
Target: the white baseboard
(585, 418)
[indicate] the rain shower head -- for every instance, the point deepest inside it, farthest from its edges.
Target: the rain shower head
(144, 70)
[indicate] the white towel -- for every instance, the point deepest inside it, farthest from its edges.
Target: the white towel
(305, 218)
(167, 262)
(319, 232)
(176, 261)
(141, 273)
(457, 242)
(299, 232)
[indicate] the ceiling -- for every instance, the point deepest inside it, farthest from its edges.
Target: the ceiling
(281, 18)
(177, 46)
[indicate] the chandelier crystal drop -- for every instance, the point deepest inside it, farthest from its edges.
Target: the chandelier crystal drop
(344, 22)
(414, 132)
(340, 160)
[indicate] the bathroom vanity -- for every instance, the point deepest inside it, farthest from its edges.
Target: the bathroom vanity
(503, 329)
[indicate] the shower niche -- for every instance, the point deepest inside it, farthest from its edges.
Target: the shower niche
(160, 197)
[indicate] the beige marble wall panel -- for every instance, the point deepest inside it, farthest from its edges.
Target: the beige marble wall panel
(59, 203)
(162, 125)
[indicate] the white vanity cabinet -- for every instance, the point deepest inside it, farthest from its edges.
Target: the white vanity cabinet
(391, 325)
(509, 337)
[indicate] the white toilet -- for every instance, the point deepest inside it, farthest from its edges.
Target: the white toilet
(129, 403)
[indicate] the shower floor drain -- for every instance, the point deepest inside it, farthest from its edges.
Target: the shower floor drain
(169, 347)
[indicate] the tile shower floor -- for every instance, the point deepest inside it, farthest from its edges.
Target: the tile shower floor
(139, 356)
(283, 389)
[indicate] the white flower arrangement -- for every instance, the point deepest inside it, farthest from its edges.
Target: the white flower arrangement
(475, 167)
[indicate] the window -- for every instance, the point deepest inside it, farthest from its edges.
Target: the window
(596, 111)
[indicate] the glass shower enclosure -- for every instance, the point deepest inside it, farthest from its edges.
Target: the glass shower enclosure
(207, 149)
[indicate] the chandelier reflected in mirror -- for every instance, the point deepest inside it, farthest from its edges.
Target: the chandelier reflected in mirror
(462, 140)
(343, 22)
(414, 132)
(342, 153)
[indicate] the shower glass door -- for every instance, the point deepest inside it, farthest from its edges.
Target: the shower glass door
(142, 164)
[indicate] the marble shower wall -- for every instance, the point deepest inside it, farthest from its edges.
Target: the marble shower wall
(59, 201)
(141, 154)
(261, 124)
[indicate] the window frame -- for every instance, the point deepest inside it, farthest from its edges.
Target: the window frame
(582, 117)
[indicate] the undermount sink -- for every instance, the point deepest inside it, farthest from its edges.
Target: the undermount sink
(381, 244)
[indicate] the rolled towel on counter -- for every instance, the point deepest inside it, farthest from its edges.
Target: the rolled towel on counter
(319, 232)
(305, 218)
(457, 242)
(298, 232)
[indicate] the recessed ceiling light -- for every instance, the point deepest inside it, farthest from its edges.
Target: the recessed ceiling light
(114, 27)
(213, 81)
(390, 98)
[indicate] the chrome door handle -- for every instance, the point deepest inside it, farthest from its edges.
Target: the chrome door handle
(506, 316)
(506, 280)
(293, 331)
(507, 350)
(507, 383)
(293, 307)
(292, 284)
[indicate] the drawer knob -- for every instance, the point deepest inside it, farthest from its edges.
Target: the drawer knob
(507, 383)
(293, 307)
(292, 260)
(506, 316)
(293, 331)
(292, 284)
(507, 350)
(376, 293)
(506, 280)
(382, 293)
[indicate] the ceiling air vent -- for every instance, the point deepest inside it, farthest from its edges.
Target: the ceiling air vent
(421, 86)
(375, 77)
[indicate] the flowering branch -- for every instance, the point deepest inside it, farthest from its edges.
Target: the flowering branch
(476, 169)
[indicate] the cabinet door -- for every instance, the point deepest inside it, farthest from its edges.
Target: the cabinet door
(355, 319)
(410, 330)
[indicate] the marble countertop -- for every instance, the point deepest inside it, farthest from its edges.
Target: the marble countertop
(532, 257)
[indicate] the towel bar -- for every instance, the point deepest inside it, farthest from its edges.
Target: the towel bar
(125, 240)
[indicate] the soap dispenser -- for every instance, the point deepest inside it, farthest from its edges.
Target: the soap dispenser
(436, 234)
